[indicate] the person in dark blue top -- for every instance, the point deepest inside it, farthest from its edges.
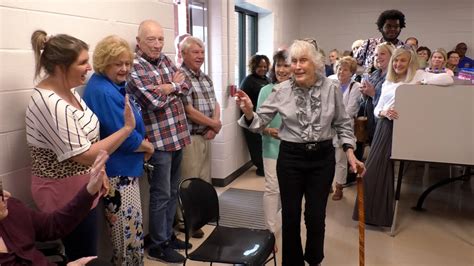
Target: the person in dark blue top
(464, 61)
(105, 96)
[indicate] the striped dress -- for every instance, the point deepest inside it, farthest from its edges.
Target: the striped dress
(57, 131)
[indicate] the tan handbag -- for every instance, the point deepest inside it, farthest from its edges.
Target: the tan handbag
(360, 129)
(360, 122)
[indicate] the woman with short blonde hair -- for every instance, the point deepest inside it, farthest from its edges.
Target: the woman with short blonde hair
(437, 63)
(345, 69)
(372, 87)
(105, 95)
(108, 50)
(348, 61)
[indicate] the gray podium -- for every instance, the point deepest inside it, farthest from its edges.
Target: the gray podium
(435, 125)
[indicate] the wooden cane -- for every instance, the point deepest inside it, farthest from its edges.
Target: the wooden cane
(361, 209)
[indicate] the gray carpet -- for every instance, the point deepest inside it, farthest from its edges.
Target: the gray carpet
(241, 208)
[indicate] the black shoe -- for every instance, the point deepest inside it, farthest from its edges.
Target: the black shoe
(180, 227)
(260, 172)
(178, 244)
(147, 241)
(196, 234)
(165, 254)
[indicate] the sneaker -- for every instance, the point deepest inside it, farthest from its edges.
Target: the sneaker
(165, 254)
(178, 244)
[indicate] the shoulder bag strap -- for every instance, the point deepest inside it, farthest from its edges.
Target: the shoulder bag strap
(366, 50)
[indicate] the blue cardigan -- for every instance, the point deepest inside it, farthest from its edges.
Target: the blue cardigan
(106, 100)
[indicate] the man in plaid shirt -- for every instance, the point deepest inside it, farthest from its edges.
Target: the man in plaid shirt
(203, 112)
(157, 85)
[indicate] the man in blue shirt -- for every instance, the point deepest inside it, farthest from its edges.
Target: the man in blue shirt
(464, 61)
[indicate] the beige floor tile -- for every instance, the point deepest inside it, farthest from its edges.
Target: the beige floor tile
(443, 235)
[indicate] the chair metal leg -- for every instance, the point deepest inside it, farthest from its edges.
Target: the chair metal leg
(394, 222)
(274, 258)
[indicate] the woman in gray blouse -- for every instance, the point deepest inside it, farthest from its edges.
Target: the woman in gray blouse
(312, 113)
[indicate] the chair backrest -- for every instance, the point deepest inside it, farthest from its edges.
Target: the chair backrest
(199, 204)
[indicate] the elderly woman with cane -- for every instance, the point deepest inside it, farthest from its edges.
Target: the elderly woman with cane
(312, 112)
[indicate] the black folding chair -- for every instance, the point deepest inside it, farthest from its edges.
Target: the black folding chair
(53, 250)
(200, 206)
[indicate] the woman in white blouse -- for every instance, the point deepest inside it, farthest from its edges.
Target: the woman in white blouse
(379, 179)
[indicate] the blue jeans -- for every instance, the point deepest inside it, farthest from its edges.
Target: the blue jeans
(164, 194)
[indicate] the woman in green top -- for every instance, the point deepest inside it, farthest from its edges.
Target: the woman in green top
(271, 143)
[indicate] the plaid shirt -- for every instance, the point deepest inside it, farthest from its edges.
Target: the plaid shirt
(201, 96)
(367, 60)
(164, 116)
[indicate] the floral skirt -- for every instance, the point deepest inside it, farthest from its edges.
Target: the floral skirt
(124, 215)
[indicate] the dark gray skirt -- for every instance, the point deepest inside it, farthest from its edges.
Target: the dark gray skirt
(379, 178)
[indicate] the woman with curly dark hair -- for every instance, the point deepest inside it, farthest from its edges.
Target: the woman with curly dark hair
(251, 85)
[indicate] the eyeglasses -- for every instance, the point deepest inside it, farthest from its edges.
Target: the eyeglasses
(313, 42)
(407, 47)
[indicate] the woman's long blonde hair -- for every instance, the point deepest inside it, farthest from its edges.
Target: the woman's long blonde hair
(412, 64)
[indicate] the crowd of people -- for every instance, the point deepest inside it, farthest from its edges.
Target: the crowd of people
(316, 130)
(139, 106)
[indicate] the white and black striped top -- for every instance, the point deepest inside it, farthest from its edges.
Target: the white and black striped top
(54, 124)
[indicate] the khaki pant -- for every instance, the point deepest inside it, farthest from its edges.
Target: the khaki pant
(197, 159)
(196, 163)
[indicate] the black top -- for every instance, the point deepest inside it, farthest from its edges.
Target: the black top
(251, 85)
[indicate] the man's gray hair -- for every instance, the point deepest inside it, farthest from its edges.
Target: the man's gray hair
(188, 41)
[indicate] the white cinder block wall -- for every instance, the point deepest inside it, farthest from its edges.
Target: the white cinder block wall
(91, 21)
(87, 20)
(436, 23)
(229, 150)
